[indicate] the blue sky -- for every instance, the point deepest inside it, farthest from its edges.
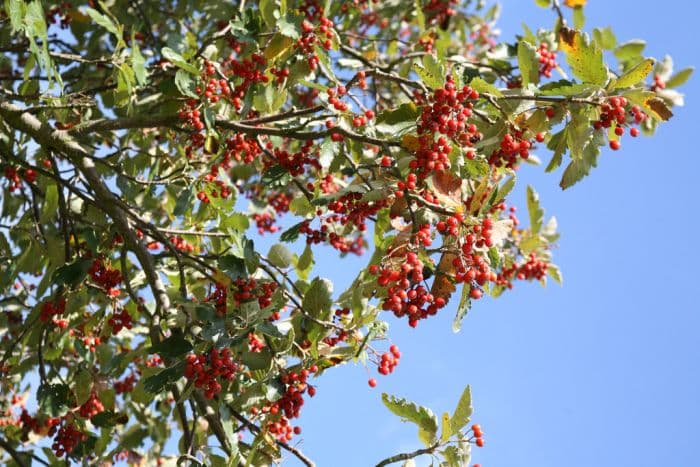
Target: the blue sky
(600, 371)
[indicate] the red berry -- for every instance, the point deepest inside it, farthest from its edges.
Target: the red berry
(372, 382)
(614, 145)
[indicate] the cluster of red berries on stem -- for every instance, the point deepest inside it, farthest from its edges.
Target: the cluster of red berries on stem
(478, 435)
(255, 344)
(91, 407)
(289, 405)
(548, 60)
(389, 360)
(206, 369)
(447, 115)
(405, 294)
(614, 113)
(309, 38)
(533, 268)
(512, 148)
(39, 424)
(51, 309)
(16, 176)
(120, 320)
(67, 438)
(105, 277)
(126, 385)
(439, 11)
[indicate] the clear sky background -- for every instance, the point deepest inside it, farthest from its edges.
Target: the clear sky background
(602, 371)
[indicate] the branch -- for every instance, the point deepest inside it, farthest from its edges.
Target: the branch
(408, 455)
(255, 429)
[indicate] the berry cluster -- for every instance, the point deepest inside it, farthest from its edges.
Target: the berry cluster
(533, 268)
(339, 242)
(51, 309)
(105, 277)
(477, 435)
(295, 162)
(289, 405)
(181, 244)
(251, 289)
(614, 112)
(91, 407)
(405, 294)
(389, 360)
(548, 60)
(60, 14)
(119, 321)
(125, 385)
(350, 208)
(37, 425)
(512, 147)
(447, 115)
(205, 369)
(309, 38)
(67, 438)
(658, 83)
(440, 11)
(16, 176)
(255, 344)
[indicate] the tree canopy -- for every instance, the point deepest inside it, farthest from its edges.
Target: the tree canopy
(150, 147)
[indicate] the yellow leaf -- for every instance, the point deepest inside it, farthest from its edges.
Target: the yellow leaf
(574, 3)
(446, 427)
(410, 142)
(222, 278)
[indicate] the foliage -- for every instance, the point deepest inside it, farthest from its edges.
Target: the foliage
(150, 148)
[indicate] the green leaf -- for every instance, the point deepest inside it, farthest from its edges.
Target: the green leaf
(268, 8)
(528, 62)
(305, 263)
(579, 18)
(103, 21)
(633, 76)
(83, 386)
(605, 38)
(543, 3)
(630, 50)
(178, 60)
(53, 399)
(463, 411)
(680, 78)
(291, 234)
(109, 419)
(171, 347)
(280, 256)
(138, 63)
(157, 383)
(72, 274)
(585, 58)
(185, 83)
(554, 272)
(422, 416)
(465, 304)
(397, 121)
(317, 299)
(15, 10)
(557, 143)
(481, 86)
(535, 210)
(432, 74)
(233, 266)
(327, 153)
(48, 210)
